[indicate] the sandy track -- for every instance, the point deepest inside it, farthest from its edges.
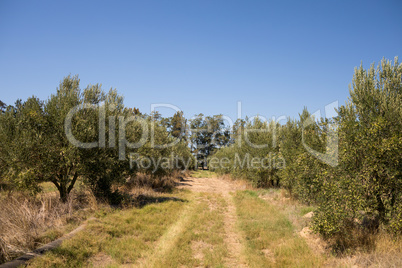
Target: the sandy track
(233, 239)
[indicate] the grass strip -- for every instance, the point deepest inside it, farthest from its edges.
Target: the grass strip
(270, 237)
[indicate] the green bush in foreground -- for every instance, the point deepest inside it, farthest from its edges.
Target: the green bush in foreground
(363, 192)
(366, 186)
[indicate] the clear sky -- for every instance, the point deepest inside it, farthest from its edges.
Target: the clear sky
(203, 56)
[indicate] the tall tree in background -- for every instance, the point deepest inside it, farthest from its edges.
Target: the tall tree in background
(197, 138)
(254, 139)
(178, 125)
(207, 135)
(220, 133)
(237, 130)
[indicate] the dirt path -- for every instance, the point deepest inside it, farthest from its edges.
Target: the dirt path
(206, 227)
(224, 188)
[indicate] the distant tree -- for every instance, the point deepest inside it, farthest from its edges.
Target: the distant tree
(198, 137)
(178, 125)
(252, 140)
(156, 116)
(237, 130)
(134, 111)
(220, 133)
(207, 135)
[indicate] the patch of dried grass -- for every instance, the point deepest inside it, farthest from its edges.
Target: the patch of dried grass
(24, 220)
(240, 184)
(387, 253)
(142, 180)
(386, 250)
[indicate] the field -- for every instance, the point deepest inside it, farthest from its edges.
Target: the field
(207, 221)
(200, 134)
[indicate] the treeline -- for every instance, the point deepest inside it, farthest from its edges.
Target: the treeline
(89, 135)
(84, 134)
(354, 177)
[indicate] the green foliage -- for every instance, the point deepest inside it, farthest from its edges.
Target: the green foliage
(303, 172)
(368, 179)
(362, 192)
(64, 138)
(254, 154)
(2, 106)
(176, 125)
(207, 135)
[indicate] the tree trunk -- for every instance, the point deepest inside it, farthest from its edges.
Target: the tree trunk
(63, 188)
(381, 208)
(63, 194)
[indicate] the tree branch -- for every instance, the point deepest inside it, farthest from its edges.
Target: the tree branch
(72, 182)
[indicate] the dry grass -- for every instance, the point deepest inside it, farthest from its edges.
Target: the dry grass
(385, 250)
(271, 237)
(239, 183)
(161, 184)
(181, 228)
(28, 222)
(121, 237)
(387, 253)
(289, 206)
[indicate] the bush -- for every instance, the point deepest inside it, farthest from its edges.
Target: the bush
(364, 191)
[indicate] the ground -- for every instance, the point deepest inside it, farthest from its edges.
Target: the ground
(206, 222)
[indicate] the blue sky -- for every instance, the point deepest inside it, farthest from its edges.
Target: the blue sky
(203, 56)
